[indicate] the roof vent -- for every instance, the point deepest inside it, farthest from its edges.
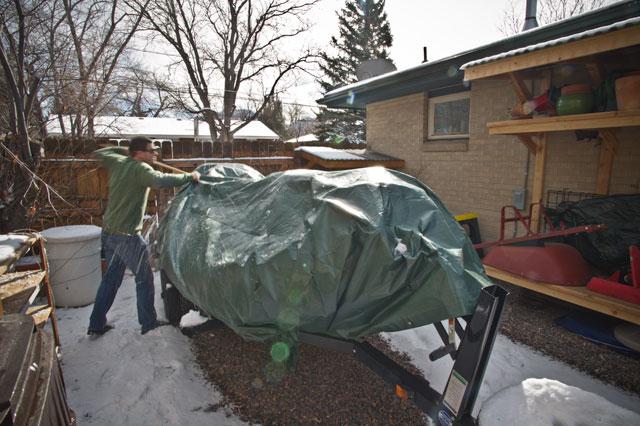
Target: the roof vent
(530, 20)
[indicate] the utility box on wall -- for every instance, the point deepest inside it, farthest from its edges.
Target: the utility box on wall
(518, 197)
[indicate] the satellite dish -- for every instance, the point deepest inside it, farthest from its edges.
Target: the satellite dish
(374, 67)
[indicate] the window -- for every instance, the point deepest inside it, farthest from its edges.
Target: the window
(449, 116)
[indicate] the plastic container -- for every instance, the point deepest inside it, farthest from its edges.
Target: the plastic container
(74, 261)
(628, 92)
(575, 99)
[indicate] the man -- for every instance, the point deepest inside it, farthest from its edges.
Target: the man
(130, 177)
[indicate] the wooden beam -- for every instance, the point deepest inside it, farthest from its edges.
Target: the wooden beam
(520, 88)
(596, 121)
(608, 150)
(617, 39)
(528, 141)
(580, 296)
(537, 192)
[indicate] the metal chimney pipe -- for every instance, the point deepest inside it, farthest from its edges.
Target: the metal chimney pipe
(424, 54)
(530, 20)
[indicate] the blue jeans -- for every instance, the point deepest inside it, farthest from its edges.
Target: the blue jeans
(121, 252)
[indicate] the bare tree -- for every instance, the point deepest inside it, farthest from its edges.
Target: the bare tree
(548, 11)
(24, 65)
(228, 45)
(92, 37)
(147, 94)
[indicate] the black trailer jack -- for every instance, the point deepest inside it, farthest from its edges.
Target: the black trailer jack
(455, 405)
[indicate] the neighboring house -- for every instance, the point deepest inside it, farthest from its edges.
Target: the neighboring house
(429, 116)
(303, 139)
(178, 137)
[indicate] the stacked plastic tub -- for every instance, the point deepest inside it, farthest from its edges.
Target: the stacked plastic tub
(75, 266)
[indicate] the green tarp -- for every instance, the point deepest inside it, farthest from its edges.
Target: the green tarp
(345, 254)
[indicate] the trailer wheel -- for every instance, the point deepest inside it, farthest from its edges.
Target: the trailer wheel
(175, 306)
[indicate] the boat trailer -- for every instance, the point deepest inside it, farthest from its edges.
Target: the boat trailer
(452, 408)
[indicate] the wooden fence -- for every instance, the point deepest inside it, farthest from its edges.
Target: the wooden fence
(188, 148)
(82, 184)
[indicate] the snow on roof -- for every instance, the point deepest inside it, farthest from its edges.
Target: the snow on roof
(556, 42)
(327, 153)
(162, 128)
(303, 139)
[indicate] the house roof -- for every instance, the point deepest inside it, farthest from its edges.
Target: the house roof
(310, 137)
(444, 75)
(631, 22)
(162, 128)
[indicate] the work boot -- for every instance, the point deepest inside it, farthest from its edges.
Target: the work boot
(156, 324)
(94, 334)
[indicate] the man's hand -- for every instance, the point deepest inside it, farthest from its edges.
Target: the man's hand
(196, 176)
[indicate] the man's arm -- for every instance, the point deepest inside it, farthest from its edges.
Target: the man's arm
(153, 178)
(110, 154)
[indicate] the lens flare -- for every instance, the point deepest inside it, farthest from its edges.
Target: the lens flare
(279, 352)
(351, 97)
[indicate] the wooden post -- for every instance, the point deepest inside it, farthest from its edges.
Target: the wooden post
(537, 191)
(605, 163)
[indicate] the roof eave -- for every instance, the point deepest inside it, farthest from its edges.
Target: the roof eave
(401, 83)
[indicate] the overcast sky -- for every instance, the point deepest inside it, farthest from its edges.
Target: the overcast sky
(445, 27)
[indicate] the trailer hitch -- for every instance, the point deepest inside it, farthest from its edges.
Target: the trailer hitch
(455, 405)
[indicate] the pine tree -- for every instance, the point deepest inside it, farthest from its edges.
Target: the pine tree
(364, 34)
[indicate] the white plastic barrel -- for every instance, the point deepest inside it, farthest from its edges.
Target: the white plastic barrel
(74, 260)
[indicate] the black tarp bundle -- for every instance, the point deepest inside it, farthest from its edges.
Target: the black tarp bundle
(345, 254)
(607, 250)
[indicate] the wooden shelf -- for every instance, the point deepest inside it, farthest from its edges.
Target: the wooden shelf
(580, 296)
(593, 121)
(19, 289)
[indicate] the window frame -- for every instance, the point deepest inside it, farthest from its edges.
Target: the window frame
(431, 112)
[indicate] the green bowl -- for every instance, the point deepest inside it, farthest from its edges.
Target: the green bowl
(575, 103)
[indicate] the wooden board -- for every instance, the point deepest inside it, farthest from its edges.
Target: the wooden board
(40, 317)
(595, 120)
(19, 289)
(569, 51)
(580, 296)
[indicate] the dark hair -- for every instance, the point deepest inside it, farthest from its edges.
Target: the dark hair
(139, 143)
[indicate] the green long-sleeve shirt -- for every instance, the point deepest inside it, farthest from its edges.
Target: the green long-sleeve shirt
(129, 182)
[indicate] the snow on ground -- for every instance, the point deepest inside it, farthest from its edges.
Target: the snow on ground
(124, 378)
(542, 402)
(129, 379)
(510, 363)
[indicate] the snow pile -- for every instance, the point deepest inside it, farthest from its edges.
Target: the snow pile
(192, 319)
(550, 402)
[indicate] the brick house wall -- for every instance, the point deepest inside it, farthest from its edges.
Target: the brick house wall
(478, 174)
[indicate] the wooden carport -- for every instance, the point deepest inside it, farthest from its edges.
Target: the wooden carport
(599, 51)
